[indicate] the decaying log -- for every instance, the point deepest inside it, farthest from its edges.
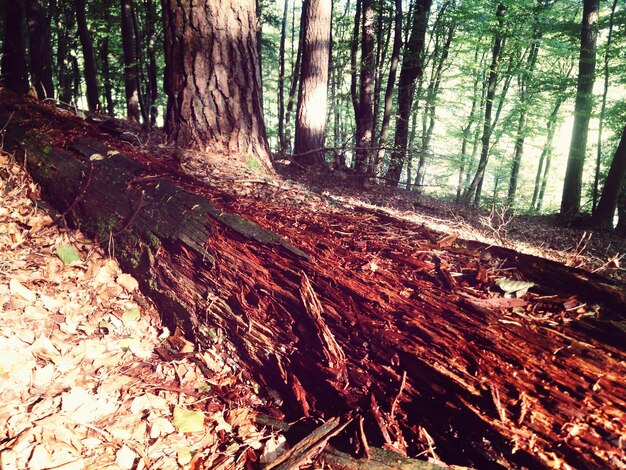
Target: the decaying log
(337, 310)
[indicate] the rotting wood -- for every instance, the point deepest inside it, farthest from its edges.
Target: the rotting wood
(564, 401)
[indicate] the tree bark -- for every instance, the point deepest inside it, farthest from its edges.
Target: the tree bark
(40, 49)
(153, 86)
(612, 186)
(572, 187)
(411, 71)
(212, 79)
(313, 91)
(91, 80)
(14, 74)
(496, 52)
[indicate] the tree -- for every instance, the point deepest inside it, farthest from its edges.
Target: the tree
(212, 78)
(410, 72)
(473, 191)
(40, 49)
(14, 71)
(281, 79)
(570, 201)
(312, 93)
(391, 83)
(91, 80)
(131, 66)
(364, 116)
(612, 186)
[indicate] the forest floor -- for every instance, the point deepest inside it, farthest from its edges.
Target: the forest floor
(88, 376)
(90, 379)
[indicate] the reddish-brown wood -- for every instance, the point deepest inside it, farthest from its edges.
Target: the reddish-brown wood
(355, 312)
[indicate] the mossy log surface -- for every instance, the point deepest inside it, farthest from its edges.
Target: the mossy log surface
(351, 314)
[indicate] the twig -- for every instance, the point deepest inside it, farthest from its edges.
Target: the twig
(395, 401)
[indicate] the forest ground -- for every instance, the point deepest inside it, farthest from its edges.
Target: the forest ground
(44, 284)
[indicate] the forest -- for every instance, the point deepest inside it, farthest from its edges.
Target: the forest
(518, 104)
(286, 188)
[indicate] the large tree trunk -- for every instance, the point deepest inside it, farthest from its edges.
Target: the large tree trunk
(131, 66)
(428, 359)
(612, 186)
(213, 80)
(572, 187)
(410, 72)
(496, 52)
(14, 74)
(91, 80)
(40, 49)
(312, 94)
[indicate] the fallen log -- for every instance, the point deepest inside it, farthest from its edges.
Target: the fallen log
(345, 313)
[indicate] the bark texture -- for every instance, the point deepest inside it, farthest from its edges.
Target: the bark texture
(572, 187)
(213, 80)
(313, 93)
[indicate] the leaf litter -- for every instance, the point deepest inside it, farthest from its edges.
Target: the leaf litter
(88, 376)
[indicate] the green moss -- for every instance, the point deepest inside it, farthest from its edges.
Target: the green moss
(253, 164)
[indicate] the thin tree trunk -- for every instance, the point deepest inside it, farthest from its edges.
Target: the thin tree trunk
(40, 49)
(295, 79)
(142, 83)
(153, 86)
(605, 92)
(411, 71)
(572, 188)
(103, 48)
(65, 21)
(365, 116)
(313, 90)
(498, 45)
(354, 47)
(14, 70)
(440, 55)
(131, 69)
(281, 79)
(91, 79)
(612, 186)
(546, 155)
(391, 82)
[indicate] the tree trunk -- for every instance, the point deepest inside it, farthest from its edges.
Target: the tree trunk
(295, 78)
(313, 90)
(364, 116)
(14, 74)
(212, 79)
(543, 169)
(621, 212)
(281, 80)
(440, 55)
(572, 187)
(605, 92)
(91, 79)
(427, 359)
(103, 52)
(40, 49)
(411, 71)
(496, 53)
(612, 186)
(131, 66)
(153, 86)
(391, 83)
(65, 63)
